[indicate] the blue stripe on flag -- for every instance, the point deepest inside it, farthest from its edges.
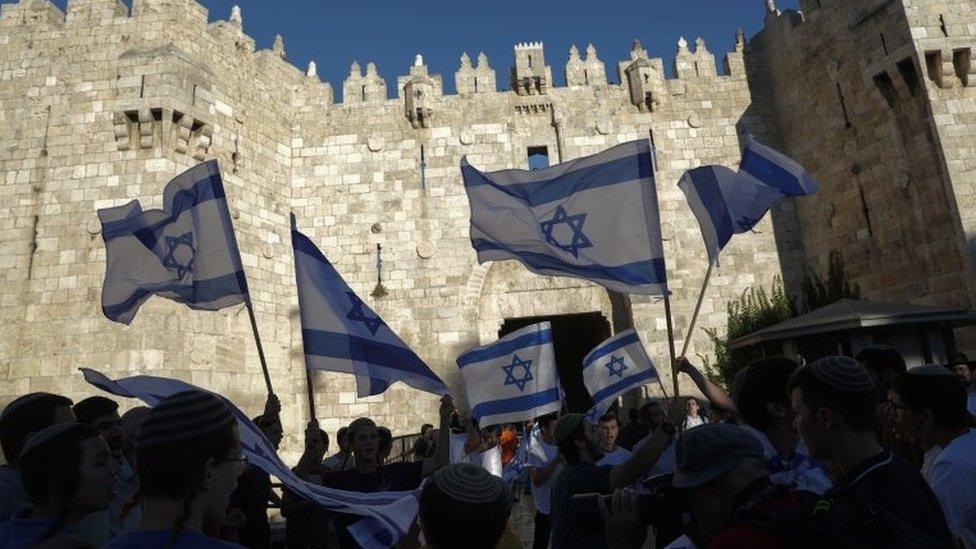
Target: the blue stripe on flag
(506, 348)
(652, 271)
(201, 291)
(609, 348)
(770, 173)
(535, 193)
(369, 351)
(710, 195)
(624, 384)
(516, 404)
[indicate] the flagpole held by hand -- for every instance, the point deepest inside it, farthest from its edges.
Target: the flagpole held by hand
(311, 397)
(694, 316)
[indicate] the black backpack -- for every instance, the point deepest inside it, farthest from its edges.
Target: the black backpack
(837, 520)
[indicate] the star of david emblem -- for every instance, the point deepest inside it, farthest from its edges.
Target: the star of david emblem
(510, 376)
(557, 238)
(358, 312)
(617, 366)
(173, 261)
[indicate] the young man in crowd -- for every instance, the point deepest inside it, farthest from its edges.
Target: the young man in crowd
(693, 418)
(20, 419)
(579, 443)
(544, 462)
(307, 525)
(464, 505)
(341, 460)
(102, 414)
(634, 431)
(930, 409)
(253, 492)
(612, 453)
(961, 366)
(885, 364)
(369, 476)
(764, 406)
(68, 473)
(834, 404)
(423, 443)
(725, 482)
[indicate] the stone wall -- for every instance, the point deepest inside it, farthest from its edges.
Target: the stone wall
(865, 94)
(99, 107)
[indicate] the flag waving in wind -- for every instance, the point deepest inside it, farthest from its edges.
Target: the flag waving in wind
(594, 218)
(185, 252)
(614, 367)
(727, 202)
(342, 334)
(514, 378)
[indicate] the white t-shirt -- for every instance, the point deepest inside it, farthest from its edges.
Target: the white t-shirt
(954, 484)
(490, 459)
(615, 457)
(928, 460)
(539, 456)
(694, 421)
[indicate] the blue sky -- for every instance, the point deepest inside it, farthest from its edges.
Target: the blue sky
(391, 32)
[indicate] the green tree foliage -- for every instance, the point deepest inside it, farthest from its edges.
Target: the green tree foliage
(756, 309)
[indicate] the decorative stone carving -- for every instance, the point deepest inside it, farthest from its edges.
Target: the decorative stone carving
(375, 143)
(467, 136)
(425, 250)
(604, 126)
(695, 120)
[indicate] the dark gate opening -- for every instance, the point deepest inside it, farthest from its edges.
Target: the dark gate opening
(573, 337)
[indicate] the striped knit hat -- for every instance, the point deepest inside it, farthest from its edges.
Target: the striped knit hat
(469, 483)
(843, 374)
(184, 416)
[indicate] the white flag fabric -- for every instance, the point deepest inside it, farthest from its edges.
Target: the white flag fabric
(614, 367)
(341, 333)
(594, 218)
(186, 252)
(727, 202)
(387, 515)
(512, 379)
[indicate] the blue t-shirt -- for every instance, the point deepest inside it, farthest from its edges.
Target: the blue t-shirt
(22, 530)
(158, 538)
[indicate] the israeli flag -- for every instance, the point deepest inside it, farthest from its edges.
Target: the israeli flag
(614, 367)
(727, 202)
(514, 378)
(342, 334)
(594, 218)
(387, 515)
(185, 252)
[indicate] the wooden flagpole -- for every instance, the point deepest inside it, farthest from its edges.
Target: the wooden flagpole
(694, 317)
(674, 364)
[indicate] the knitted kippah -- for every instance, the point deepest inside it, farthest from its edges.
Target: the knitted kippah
(931, 370)
(48, 434)
(183, 416)
(469, 483)
(20, 401)
(566, 426)
(843, 374)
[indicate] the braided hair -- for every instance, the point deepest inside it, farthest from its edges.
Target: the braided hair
(50, 466)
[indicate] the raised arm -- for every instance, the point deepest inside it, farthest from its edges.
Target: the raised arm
(646, 455)
(715, 395)
(442, 453)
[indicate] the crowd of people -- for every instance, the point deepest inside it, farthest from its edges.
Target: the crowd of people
(841, 452)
